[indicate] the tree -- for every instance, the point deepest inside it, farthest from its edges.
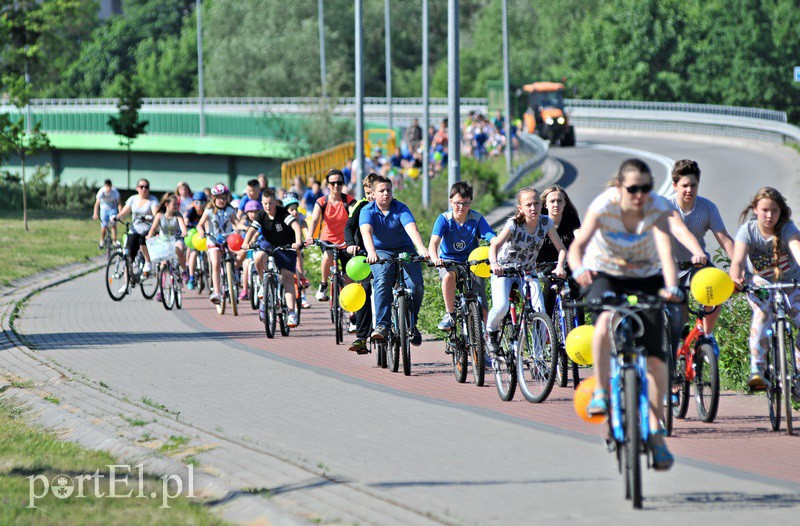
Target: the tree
(127, 124)
(15, 137)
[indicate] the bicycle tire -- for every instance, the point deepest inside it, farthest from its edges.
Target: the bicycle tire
(253, 286)
(666, 343)
(633, 439)
(683, 390)
(382, 352)
(505, 369)
(404, 336)
(785, 377)
(537, 357)
(270, 314)
(336, 310)
(178, 287)
(476, 342)
(562, 372)
(117, 277)
(283, 316)
(201, 274)
(773, 391)
(149, 284)
(233, 288)
(457, 343)
(392, 343)
(706, 389)
(165, 281)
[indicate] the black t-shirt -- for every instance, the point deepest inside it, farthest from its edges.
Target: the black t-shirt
(277, 231)
(566, 231)
(192, 217)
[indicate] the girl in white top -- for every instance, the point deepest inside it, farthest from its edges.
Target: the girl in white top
(184, 194)
(217, 221)
(169, 222)
(142, 208)
(518, 245)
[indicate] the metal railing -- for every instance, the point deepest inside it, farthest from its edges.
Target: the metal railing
(710, 109)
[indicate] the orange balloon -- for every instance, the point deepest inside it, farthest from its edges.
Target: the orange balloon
(583, 395)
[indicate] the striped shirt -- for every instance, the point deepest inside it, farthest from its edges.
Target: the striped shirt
(702, 218)
(617, 251)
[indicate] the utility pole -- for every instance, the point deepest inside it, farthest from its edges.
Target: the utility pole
(426, 180)
(358, 175)
(200, 88)
(322, 68)
(388, 51)
(506, 88)
(453, 96)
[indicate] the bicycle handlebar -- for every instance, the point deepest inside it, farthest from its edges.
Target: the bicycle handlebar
(794, 284)
(619, 303)
(403, 257)
(325, 245)
(450, 264)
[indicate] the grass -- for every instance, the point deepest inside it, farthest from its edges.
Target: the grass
(26, 451)
(55, 239)
(174, 443)
(155, 405)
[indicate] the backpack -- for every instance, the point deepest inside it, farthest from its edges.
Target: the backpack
(348, 200)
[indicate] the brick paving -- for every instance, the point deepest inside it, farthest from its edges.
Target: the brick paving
(332, 437)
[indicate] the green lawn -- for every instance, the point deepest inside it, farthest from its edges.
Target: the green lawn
(54, 239)
(27, 452)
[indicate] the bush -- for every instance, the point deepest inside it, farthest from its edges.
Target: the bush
(44, 195)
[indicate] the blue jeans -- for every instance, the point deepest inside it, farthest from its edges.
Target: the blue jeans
(383, 281)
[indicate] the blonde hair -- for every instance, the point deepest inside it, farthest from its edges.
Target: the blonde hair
(767, 192)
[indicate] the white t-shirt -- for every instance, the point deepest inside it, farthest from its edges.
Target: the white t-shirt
(762, 251)
(521, 248)
(142, 213)
(615, 250)
(108, 200)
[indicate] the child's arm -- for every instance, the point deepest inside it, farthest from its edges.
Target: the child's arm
(154, 226)
(578, 248)
(416, 238)
(369, 243)
(182, 224)
(725, 241)
(494, 247)
(740, 252)
(433, 249)
(669, 268)
(562, 252)
(200, 230)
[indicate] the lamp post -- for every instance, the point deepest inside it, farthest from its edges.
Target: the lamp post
(453, 96)
(388, 52)
(358, 175)
(200, 89)
(322, 69)
(506, 88)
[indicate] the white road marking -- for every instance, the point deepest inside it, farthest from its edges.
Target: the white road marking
(666, 187)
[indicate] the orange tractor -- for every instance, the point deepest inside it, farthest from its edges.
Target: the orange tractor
(544, 114)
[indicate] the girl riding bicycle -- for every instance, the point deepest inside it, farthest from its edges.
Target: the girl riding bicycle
(168, 222)
(192, 217)
(517, 245)
(625, 247)
(216, 224)
(771, 241)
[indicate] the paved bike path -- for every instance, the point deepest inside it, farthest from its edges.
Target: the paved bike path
(448, 452)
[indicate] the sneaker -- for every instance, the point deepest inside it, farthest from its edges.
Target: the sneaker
(304, 301)
(756, 380)
(243, 295)
(322, 293)
(447, 322)
(100, 246)
(662, 458)
(261, 312)
(123, 289)
(380, 333)
(214, 298)
(146, 267)
(352, 327)
(416, 337)
(487, 362)
(159, 296)
(359, 347)
(493, 342)
(291, 320)
(190, 283)
(796, 389)
(599, 403)
(185, 276)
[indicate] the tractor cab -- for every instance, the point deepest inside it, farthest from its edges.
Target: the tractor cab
(544, 114)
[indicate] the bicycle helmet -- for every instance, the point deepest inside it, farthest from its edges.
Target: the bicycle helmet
(252, 206)
(289, 201)
(219, 189)
(200, 196)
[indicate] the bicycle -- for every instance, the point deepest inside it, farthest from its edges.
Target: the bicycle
(398, 342)
(629, 422)
(123, 274)
(780, 371)
(274, 295)
(170, 280)
(528, 353)
(335, 284)
(227, 279)
(254, 286)
(202, 274)
(564, 320)
(465, 339)
(109, 245)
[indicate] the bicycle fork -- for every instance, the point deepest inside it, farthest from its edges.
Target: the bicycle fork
(617, 394)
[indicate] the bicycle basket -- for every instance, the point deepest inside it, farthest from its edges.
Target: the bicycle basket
(161, 248)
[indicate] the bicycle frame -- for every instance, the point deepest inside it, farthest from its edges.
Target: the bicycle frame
(630, 356)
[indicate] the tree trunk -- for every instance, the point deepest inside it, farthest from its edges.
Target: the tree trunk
(129, 165)
(24, 196)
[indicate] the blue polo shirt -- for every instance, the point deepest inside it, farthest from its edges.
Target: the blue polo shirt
(459, 240)
(245, 198)
(388, 230)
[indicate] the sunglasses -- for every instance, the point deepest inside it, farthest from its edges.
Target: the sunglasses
(336, 183)
(637, 188)
(145, 186)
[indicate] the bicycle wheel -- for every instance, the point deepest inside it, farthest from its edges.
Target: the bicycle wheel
(381, 354)
(669, 414)
(117, 276)
(680, 389)
(393, 348)
(785, 383)
(283, 315)
(271, 308)
(177, 286)
(505, 368)
(149, 284)
(773, 390)
(404, 336)
(477, 344)
(201, 274)
(537, 356)
(458, 348)
(633, 438)
(333, 300)
(562, 373)
(706, 388)
(253, 287)
(233, 288)
(165, 281)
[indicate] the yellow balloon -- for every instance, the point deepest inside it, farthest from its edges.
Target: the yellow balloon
(482, 270)
(413, 172)
(579, 344)
(711, 286)
(352, 297)
(199, 243)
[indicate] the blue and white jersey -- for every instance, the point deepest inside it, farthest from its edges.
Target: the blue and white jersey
(459, 240)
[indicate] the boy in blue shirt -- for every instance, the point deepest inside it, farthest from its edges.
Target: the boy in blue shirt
(456, 234)
(388, 228)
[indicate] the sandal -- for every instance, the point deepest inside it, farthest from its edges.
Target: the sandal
(599, 403)
(662, 458)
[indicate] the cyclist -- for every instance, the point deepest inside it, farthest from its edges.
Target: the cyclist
(192, 217)
(277, 228)
(252, 193)
(624, 246)
(355, 243)
(106, 205)
(329, 217)
(292, 206)
(250, 211)
(700, 215)
(216, 224)
(455, 234)
(388, 228)
(185, 197)
(142, 208)
(517, 245)
(169, 222)
(772, 242)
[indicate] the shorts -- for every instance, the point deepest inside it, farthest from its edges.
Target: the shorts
(105, 216)
(653, 338)
(478, 286)
(284, 259)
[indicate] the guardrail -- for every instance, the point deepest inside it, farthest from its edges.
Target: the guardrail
(538, 148)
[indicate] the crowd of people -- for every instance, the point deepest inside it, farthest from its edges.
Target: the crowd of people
(630, 241)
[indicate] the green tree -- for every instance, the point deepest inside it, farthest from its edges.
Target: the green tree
(17, 137)
(126, 124)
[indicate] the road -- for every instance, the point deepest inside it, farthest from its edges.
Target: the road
(332, 438)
